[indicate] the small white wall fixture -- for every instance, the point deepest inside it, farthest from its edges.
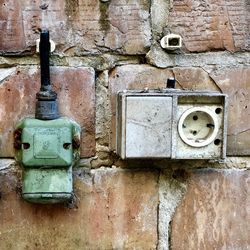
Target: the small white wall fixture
(171, 123)
(171, 42)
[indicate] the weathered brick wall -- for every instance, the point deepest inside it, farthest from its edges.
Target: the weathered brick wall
(103, 47)
(211, 25)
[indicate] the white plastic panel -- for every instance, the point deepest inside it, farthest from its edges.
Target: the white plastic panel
(148, 126)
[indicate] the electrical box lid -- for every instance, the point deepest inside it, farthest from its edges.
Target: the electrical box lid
(47, 143)
(148, 122)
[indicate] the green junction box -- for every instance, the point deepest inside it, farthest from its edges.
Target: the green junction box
(47, 150)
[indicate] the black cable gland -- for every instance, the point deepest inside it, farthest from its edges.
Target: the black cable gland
(171, 83)
(46, 105)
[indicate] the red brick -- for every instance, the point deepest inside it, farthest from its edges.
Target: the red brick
(11, 26)
(235, 83)
(214, 213)
(115, 209)
(76, 98)
(211, 25)
(80, 26)
(194, 78)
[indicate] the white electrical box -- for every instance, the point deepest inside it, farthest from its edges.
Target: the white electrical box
(171, 42)
(171, 123)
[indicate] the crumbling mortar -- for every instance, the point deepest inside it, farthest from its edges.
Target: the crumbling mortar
(240, 58)
(98, 62)
(5, 77)
(112, 160)
(6, 164)
(151, 22)
(172, 189)
(158, 210)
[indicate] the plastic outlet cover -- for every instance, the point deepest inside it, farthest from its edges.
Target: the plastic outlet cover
(171, 123)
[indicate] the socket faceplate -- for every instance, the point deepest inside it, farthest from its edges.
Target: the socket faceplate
(198, 126)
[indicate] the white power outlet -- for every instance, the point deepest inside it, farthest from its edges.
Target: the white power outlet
(200, 131)
(171, 124)
(198, 126)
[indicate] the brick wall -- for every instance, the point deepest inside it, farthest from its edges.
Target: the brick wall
(106, 46)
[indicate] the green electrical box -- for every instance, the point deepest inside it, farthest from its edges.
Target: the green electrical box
(47, 150)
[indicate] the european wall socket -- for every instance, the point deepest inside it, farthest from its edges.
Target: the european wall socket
(171, 124)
